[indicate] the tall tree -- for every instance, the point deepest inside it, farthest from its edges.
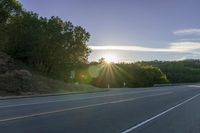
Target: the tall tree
(51, 46)
(8, 9)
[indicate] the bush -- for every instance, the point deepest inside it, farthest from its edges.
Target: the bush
(16, 81)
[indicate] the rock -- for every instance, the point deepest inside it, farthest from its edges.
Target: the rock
(6, 63)
(16, 81)
(12, 79)
(25, 79)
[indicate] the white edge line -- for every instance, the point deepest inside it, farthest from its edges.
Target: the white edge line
(160, 114)
(197, 86)
(81, 107)
(92, 97)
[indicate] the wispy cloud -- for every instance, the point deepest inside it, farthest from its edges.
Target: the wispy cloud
(181, 47)
(188, 39)
(127, 48)
(185, 46)
(187, 32)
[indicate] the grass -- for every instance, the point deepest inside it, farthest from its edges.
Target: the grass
(44, 85)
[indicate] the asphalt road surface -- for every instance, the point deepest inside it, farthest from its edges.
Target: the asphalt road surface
(172, 109)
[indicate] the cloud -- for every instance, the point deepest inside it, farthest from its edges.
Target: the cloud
(181, 47)
(187, 32)
(189, 39)
(185, 46)
(126, 48)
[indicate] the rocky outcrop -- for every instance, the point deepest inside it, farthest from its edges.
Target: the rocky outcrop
(12, 78)
(6, 63)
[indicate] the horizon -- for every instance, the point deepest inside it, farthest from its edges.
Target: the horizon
(131, 31)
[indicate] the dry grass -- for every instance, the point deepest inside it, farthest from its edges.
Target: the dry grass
(43, 85)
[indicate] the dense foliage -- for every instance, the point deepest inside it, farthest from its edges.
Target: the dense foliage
(120, 75)
(141, 73)
(50, 46)
(186, 71)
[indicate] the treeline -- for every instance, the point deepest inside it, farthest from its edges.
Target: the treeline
(102, 74)
(186, 71)
(50, 46)
(139, 74)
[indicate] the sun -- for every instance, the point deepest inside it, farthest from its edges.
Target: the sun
(110, 58)
(108, 62)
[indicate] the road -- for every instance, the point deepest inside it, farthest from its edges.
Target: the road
(171, 109)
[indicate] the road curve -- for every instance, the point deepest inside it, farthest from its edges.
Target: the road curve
(171, 109)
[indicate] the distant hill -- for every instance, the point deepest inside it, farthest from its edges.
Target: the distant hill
(186, 71)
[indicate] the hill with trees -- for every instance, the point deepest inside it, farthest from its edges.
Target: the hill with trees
(104, 74)
(52, 48)
(186, 71)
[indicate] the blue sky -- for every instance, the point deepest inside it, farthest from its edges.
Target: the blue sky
(131, 30)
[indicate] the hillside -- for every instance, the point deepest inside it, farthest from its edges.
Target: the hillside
(15, 80)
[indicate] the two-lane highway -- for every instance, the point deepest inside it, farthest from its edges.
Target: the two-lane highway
(172, 109)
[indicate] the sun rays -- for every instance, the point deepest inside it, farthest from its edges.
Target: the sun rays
(110, 74)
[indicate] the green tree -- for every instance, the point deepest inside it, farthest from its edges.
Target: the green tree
(8, 9)
(50, 46)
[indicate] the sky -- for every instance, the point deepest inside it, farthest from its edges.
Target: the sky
(131, 30)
